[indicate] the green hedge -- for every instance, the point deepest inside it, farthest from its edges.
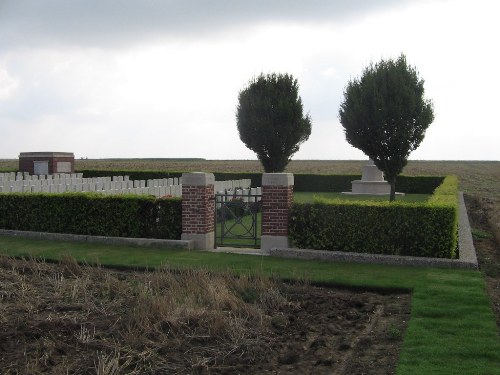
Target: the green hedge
(323, 182)
(417, 229)
(92, 214)
(418, 184)
(340, 183)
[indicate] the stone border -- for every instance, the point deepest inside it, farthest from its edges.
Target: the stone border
(122, 241)
(468, 259)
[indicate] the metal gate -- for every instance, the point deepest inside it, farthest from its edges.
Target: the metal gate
(238, 219)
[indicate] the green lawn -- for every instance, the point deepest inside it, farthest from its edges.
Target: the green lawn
(304, 197)
(238, 229)
(452, 329)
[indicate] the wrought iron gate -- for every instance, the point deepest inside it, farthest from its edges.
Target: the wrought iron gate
(237, 219)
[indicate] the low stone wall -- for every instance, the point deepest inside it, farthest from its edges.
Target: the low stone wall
(121, 241)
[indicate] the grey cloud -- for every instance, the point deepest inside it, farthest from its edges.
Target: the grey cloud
(105, 22)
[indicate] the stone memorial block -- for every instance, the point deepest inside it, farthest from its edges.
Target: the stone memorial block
(372, 182)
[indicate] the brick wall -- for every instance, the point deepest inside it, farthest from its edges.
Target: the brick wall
(276, 203)
(198, 208)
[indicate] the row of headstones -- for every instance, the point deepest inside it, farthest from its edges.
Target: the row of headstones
(60, 183)
(77, 178)
(246, 195)
(110, 188)
(20, 176)
(232, 185)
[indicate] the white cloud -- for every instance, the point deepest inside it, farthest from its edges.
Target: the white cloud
(137, 80)
(7, 84)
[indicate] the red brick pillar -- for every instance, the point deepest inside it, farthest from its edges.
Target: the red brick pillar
(277, 197)
(198, 209)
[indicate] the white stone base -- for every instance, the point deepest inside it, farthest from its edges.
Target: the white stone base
(204, 241)
(269, 242)
(370, 187)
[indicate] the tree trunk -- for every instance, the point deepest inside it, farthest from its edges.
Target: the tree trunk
(392, 196)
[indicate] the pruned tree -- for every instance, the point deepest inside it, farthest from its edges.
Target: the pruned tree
(270, 119)
(385, 115)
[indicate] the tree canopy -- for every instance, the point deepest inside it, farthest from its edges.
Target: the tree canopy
(270, 119)
(385, 114)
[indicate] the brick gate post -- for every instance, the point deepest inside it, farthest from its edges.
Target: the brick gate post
(198, 207)
(277, 196)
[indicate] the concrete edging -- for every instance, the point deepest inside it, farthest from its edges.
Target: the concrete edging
(123, 241)
(468, 258)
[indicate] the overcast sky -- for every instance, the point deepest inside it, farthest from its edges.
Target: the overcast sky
(160, 78)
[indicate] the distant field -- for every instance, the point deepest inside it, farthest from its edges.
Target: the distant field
(476, 177)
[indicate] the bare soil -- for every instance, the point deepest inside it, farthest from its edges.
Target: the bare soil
(484, 217)
(67, 318)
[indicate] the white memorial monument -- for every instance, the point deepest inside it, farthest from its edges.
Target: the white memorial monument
(372, 182)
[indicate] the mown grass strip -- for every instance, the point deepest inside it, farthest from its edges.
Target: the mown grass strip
(305, 197)
(452, 328)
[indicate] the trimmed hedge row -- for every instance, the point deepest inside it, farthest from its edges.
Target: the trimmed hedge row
(340, 183)
(324, 182)
(92, 214)
(398, 228)
(418, 184)
(303, 182)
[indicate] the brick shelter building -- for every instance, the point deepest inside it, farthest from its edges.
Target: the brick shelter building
(37, 163)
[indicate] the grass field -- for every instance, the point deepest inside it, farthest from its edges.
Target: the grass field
(305, 197)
